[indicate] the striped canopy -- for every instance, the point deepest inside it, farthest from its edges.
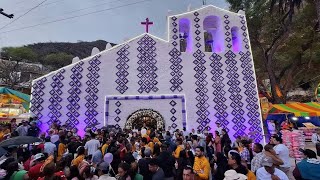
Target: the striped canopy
(298, 109)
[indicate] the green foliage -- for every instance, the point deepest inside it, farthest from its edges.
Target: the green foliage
(58, 60)
(295, 57)
(19, 53)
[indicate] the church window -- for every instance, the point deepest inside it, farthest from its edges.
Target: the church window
(213, 34)
(236, 39)
(185, 35)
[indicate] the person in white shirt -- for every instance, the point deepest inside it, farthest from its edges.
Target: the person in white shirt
(283, 153)
(316, 140)
(92, 146)
(219, 128)
(269, 172)
(49, 147)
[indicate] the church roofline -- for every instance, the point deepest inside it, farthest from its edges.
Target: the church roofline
(141, 35)
(205, 7)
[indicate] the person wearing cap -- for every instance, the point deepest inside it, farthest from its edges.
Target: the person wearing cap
(103, 171)
(23, 129)
(35, 171)
(201, 164)
(269, 172)
(143, 163)
(157, 171)
(283, 153)
(308, 168)
(33, 130)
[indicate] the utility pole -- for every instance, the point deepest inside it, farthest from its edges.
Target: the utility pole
(5, 14)
(204, 2)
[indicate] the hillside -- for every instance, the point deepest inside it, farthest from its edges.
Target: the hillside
(80, 49)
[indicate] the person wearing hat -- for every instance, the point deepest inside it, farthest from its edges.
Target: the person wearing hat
(232, 175)
(103, 171)
(35, 171)
(269, 172)
(309, 167)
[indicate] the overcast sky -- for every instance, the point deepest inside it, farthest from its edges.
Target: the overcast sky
(117, 20)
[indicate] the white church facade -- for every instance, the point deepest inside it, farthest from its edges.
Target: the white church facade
(202, 74)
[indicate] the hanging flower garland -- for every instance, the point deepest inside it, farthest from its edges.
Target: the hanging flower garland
(145, 112)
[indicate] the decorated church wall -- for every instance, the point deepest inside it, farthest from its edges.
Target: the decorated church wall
(202, 74)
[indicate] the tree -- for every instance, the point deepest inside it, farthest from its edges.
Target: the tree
(283, 42)
(58, 60)
(19, 54)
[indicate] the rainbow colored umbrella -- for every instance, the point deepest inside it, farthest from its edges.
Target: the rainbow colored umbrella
(298, 109)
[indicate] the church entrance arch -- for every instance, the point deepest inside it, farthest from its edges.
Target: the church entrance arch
(148, 117)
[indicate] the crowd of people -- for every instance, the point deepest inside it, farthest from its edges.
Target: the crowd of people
(148, 154)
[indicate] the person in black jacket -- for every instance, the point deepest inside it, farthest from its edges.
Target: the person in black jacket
(225, 139)
(33, 130)
(221, 166)
(166, 162)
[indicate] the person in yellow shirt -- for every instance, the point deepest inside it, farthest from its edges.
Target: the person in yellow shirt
(179, 148)
(62, 148)
(80, 157)
(105, 146)
(201, 164)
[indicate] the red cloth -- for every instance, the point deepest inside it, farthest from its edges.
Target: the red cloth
(34, 172)
(26, 164)
(41, 146)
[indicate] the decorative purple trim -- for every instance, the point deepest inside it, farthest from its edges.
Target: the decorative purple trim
(55, 99)
(74, 92)
(253, 110)
(37, 100)
(92, 90)
(157, 97)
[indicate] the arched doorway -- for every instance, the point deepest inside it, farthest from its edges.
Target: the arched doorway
(149, 117)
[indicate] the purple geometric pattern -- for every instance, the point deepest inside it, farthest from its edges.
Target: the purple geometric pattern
(233, 82)
(201, 90)
(157, 97)
(92, 90)
(55, 98)
(118, 111)
(250, 86)
(218, 90)
(173, 112)
(122, 67)
(73, 99)
(37, 94)
(175, 60)
(147, 65)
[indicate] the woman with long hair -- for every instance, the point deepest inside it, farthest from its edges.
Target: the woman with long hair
(221, 166)
(225, 139)
(217, 142)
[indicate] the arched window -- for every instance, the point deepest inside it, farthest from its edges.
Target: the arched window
(236, 39)
(185, 35)
(213, 34)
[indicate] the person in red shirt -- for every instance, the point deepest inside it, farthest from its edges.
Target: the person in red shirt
(35, 171)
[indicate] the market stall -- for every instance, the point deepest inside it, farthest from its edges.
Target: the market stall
(12, 104)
